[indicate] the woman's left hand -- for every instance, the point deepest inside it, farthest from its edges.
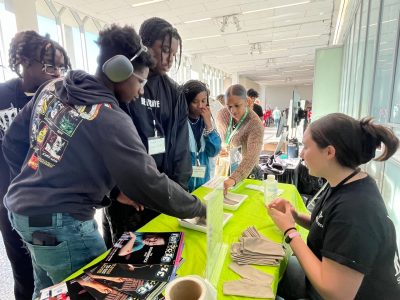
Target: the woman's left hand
(283, 219)
(229, 182)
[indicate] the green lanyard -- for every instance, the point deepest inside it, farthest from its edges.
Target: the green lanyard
(229, 134)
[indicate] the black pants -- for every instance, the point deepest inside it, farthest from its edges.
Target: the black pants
(294, 285)
(119, 218)
(19, 258)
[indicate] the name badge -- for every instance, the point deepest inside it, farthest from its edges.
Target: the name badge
(199, 171)
(156, 145)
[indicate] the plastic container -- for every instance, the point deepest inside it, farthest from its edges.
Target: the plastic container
(270, 189)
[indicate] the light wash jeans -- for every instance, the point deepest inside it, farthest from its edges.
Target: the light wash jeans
(79, 242)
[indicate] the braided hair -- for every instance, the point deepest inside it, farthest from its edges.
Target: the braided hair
(192, 88)
(154, 29)
(31, 45)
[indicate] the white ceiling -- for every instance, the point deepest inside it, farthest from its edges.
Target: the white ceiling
(283, 33)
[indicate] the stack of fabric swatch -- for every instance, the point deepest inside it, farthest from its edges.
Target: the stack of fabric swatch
(255, 249)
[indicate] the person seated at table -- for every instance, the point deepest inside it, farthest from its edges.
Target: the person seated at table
(204, 140)
(351, 250)
(239, 126)
(53, 198)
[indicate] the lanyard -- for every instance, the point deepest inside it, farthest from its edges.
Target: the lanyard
(230, 134)
(330, 192)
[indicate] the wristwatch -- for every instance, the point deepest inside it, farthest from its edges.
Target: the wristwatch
(291, 236)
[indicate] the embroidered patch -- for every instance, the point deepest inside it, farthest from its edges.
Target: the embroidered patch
(33, 162)
(88, 112)
(54, 147)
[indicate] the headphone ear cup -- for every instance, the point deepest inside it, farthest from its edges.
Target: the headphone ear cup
(118, 68)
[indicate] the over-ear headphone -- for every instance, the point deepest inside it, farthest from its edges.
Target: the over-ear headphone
(119, 68)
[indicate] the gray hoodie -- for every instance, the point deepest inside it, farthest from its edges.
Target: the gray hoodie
(71, 144)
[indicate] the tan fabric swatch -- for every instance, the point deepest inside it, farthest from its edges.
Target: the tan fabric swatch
(251, 273)
(247, 288)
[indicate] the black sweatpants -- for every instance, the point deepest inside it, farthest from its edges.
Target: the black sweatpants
(19, 258)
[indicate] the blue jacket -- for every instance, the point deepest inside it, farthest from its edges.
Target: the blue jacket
(210, 147)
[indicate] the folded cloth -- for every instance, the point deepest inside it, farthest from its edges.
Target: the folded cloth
(247, 288)
(263, 246)
(253, 248)
(251, 273)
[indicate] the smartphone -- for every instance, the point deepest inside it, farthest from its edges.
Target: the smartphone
(44, 239)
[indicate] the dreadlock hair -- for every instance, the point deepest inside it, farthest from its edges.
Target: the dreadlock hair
(192, 88)
(154, 29)
(32, 46)
(125, 41)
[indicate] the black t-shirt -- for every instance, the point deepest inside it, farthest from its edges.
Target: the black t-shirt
(350, 225)
(258, 110)
(12, 100)
(164, 103)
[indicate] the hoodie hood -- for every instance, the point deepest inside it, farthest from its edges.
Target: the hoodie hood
(81, 88)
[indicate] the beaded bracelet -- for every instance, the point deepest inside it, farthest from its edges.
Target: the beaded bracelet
(207, 132)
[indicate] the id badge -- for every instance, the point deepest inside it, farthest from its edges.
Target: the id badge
(199, 171)
(235, 158)
(156, 145)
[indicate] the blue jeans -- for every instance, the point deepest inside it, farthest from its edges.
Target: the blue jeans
(78, 242)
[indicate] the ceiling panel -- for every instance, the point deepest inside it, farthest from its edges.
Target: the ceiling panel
(282, 35)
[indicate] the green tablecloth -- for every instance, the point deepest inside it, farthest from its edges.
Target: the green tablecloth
(251, 213)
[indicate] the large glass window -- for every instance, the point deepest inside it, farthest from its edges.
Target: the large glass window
(395, 115)
(370, 56)
(391, 192)
(72, 40)
(8, 29)
(91, 36)
(384, 65)
(46, 22)
(360, 59)
(354, 59)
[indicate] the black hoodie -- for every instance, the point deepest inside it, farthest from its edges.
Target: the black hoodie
(74, 144)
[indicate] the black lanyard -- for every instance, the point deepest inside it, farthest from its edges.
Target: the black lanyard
(330, 191)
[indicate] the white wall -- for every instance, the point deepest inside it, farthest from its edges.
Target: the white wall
(280, 95)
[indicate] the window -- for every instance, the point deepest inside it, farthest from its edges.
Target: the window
(47, 22)
(384, 65)
(360, 60)
(8, 29)
(91, 36)
(72, 40)
(391, 192)
(370, 56)
(395, 115)
(352, 103)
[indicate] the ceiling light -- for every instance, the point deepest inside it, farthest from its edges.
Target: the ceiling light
(146, 3)
(202, 37)
(195, 21)
(298, 37)
(237, 45)
(298, 55)
(275, 7)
